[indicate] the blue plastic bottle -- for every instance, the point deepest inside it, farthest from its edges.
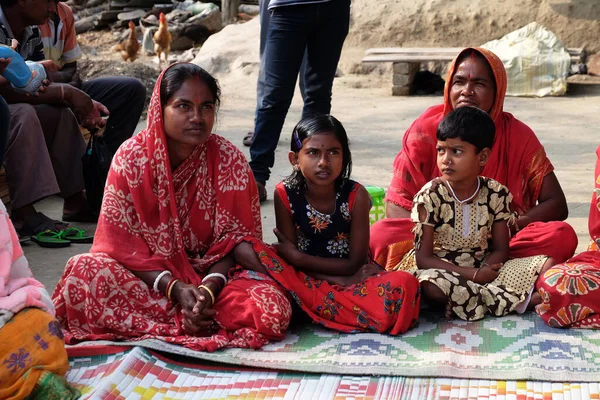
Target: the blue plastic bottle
(17, 72)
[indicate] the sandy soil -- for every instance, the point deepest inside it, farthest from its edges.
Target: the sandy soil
(413, 23)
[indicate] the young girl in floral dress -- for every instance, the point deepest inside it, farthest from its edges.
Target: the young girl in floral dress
(462, 232)
(321, 257)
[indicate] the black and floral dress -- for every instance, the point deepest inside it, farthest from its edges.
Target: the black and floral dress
(386, 302)
(462, 232)
(319, 234)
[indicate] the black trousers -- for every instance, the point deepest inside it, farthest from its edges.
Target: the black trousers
(124, 97)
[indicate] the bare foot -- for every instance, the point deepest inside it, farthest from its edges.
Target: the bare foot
(536, 299)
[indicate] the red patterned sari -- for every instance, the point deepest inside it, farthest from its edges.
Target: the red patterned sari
(517, 160)
(183, 221)
(385, 303)
(571, 291)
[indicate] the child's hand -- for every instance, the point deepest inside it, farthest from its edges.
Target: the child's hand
(285, 248)
(365, 272)
(487, 273)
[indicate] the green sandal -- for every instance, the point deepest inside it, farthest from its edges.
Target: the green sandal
(50, 239)
(76, 236)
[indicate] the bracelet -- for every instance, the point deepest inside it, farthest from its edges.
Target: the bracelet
(170, 287)
(210, 292)
(215, 275)
(158, 278)
(475, 275)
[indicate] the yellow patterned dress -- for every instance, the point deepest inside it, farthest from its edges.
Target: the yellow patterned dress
(462, 232)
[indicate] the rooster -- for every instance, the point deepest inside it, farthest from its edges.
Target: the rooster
(129, 48)
(162, 39)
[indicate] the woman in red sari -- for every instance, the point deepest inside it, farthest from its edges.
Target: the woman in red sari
(178, 200)
(571, 291)
(477, 78)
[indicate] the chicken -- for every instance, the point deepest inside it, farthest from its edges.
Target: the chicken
(162, 39)
(129, 48)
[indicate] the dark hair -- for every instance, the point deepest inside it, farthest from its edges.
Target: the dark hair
(8, 3)
(469, 124)
(318, 125)
(178, 74)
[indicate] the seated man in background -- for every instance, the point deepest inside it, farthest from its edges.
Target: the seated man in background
(45, 145)
(123, 96)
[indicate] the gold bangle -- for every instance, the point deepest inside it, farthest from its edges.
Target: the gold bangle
(210, 292)
(170, 288)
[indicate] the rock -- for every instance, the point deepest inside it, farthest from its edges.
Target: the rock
(400, 90)
(210, 19)
(232, 51)
(403, 79)
(249, 9)
(593, 65)
(85, 24)
(187, 55)
(199, 8)
(131, 15)
(178, 16)
(406, 68)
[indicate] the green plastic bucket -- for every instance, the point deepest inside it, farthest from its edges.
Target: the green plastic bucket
(377, 211)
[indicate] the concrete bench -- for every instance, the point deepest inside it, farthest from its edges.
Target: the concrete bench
(407, 62)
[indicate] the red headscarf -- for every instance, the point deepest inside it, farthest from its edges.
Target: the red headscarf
(594, 218)
(155, 219)
(517, 158)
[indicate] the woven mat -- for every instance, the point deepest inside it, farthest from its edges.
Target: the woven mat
(140, 374)
(509, 348)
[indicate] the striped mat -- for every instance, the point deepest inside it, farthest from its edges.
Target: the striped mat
(138, 373)
(515, 347)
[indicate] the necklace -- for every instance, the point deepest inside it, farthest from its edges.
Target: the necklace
(461, 202)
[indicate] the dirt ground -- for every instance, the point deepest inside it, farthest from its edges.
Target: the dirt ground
(566, 126)
(415, 23)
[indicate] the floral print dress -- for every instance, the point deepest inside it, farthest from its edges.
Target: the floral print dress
(319, 234)
(462, 232)
(387, 302)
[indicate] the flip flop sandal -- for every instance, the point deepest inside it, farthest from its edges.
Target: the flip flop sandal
(50, 239)
(75, 235)
(23, 238)
(248, 139)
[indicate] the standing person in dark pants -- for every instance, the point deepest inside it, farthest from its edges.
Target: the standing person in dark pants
(123, 96)
(317, 27)
(265, 17)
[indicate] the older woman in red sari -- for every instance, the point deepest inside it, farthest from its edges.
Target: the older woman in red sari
(477, 78)
(178, 200)
(570, 292)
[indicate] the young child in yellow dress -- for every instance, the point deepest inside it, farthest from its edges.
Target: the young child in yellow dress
(461, 228)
